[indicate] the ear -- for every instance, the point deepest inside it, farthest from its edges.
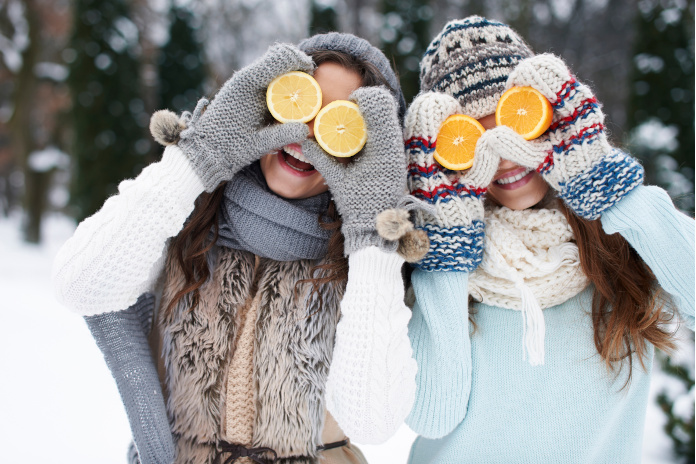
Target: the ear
(392, 224)
(165, 127)
(414, 245)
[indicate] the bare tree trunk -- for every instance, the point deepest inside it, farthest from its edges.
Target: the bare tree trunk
(21, 129)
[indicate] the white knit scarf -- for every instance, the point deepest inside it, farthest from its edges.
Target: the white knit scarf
(530, 263)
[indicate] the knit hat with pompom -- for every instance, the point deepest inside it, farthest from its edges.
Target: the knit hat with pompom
(471, 60)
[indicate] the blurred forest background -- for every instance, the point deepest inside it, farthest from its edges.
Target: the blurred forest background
(80, 78)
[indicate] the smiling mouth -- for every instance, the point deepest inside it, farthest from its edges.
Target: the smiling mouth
(291, 157)
(513, 178)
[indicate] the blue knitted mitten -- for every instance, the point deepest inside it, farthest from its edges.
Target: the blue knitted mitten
(573, 155)
(122, 339)
(456, 230)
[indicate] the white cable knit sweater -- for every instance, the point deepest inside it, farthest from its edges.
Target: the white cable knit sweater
(118, 254)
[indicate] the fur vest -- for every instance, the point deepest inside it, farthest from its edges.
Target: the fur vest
(291, 357)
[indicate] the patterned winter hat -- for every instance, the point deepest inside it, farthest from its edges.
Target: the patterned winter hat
(361, 49)
(471, 60)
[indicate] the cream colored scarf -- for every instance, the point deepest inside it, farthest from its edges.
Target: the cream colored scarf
(530, 263)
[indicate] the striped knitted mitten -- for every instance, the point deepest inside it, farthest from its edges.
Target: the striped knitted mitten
(230, 133)
(456, 230)
(574, 155)
(372, 182)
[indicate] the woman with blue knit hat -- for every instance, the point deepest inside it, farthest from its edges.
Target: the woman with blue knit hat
(238, 288)
(551, 273)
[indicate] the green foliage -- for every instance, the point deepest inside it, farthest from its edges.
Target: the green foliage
(662, 94)
(324, 19)
(679, 429)
(405, 34)
(180, 67)
(108, 114)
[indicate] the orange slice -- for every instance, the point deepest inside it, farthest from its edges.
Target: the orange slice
(340, 129)
(456, 142)
(525, 110)
(294, 97)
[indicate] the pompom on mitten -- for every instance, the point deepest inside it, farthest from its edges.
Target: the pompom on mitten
(456, 227)
(574, 155)
(372, 182)
(225, 135)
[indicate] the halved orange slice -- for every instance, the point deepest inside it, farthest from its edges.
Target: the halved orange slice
(339, 129)
(456, 142)
(294, 97)
(525, 110)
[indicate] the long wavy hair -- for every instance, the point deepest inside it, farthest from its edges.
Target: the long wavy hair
(628, 306)
(189, 248)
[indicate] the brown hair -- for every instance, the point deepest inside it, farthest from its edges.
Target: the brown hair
(627, 304)
(628, 309)
(190, 246)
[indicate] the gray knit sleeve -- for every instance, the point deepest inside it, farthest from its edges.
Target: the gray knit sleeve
(122, 339)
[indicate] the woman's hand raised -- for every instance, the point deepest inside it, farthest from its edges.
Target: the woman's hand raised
(228, 134)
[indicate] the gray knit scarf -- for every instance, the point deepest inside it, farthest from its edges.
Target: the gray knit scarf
(252, 218)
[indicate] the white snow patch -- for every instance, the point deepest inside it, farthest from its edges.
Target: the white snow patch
(53, 71)
(656, 136)
(48, 158)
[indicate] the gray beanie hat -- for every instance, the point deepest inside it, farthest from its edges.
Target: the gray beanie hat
(362, 50)
(471, 60)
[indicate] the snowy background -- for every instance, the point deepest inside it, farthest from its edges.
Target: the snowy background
(59, 404)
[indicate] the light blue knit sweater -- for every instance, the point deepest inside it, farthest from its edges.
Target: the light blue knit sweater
(479, 402)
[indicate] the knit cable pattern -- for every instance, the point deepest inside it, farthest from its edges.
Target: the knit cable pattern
(118, 254)
(371, 385)
(456, 230)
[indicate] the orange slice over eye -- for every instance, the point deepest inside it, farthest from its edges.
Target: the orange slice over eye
(339, 129)
(294, 97)
(525, 110)
(456, 142)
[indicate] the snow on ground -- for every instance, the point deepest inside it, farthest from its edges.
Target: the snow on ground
(58, 402)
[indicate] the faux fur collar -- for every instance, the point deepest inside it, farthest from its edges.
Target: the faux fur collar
(294, 345)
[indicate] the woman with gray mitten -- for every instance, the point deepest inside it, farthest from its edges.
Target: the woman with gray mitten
(277, 314)
(551, 273)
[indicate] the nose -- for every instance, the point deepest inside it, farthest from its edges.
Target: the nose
(506, 164)
(311, 129)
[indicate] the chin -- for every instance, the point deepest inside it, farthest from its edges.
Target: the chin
(287, 184)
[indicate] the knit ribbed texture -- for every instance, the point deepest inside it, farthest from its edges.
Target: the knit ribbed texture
(578, 410)
(372, 343)
(240, 400)
(122, 339)
(471, 60)
(664, 234)
(117, 254)
(375, 180)
(230, 133)
(362, 50)
(253, 218)
(439, 333)
(456, 231)
(574, 155)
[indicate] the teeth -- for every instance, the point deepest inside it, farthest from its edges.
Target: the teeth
(295, 154)
(510, 180)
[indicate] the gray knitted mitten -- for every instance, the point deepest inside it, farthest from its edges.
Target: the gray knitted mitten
(373, 181)
(230, 133)
(122, 338)
(573, 155)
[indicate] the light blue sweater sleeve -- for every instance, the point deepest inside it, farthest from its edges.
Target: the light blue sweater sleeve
(663, 237)
(439, 333)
